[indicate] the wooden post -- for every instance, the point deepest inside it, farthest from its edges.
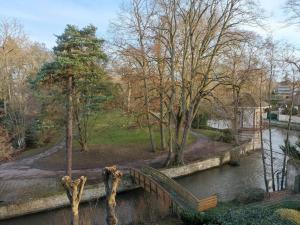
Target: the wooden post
(112, 178)
(74, 191)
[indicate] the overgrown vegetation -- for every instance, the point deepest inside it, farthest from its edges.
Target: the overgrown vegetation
(234, 216)
(224, 135)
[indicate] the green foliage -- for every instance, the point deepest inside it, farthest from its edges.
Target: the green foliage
(79, 56)
(217, 135)
(200, 121)
(236, 216)
(250, 195)
(291, 150)
(32, 134)
(226, 136)
(196, 218)
(78, 53)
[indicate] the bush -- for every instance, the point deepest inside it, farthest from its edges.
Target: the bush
(200, 121)
(196, 218)
(32, 134)
(237, 216)
(290, 214)
(226, 136)
(250, 195)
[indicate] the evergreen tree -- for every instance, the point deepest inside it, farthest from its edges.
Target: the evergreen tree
(77, 65)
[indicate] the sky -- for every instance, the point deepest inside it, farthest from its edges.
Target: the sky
(43, 19)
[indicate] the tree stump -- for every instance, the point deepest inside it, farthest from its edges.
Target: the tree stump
(74, 190)
(112, 178)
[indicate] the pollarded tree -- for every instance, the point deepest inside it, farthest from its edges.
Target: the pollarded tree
(78, 62)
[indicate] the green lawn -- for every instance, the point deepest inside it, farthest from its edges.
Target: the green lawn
(116, 128)
(114, 138)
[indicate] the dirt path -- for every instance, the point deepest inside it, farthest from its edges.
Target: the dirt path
(203, 147)
(23, 168)
(21, 180)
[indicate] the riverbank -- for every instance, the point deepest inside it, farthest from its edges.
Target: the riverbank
(93, 192)
(284, 125)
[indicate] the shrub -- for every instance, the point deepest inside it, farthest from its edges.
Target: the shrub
(32, 134)
(226, 136)
(290, 214)
(196, 218)
(200, 121)
(250, 195)
(236, 216)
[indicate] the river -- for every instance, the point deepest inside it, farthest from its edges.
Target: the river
(226, 182)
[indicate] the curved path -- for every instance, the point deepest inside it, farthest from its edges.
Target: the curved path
(25, 169)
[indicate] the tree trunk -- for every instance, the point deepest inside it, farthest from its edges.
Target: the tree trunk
(261, 138)
(161, 123)
(235, 115)
(129, 96)
(170, 143)
(82, 131)
(69, 138)
(112, 178)
(287, 145)
(152, 142)
(74, 190)
(270, 130)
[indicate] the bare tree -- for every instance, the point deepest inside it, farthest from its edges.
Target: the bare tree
(292, 8)
(271, 67)
(20, 59)
(205, 31)
(295, 65)
(133, 42)
(240, 65)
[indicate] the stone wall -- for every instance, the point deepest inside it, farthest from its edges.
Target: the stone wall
(293, 170)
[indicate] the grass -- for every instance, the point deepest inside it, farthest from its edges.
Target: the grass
(115, 128)
(114, 139)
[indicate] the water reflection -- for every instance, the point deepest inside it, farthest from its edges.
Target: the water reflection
(228, 181)
(132, 206)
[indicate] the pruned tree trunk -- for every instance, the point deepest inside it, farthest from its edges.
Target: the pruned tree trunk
(69, 138)
(74, 190)
(112, 178)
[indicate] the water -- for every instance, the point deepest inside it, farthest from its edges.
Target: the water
(226, 182)
(132, 206)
